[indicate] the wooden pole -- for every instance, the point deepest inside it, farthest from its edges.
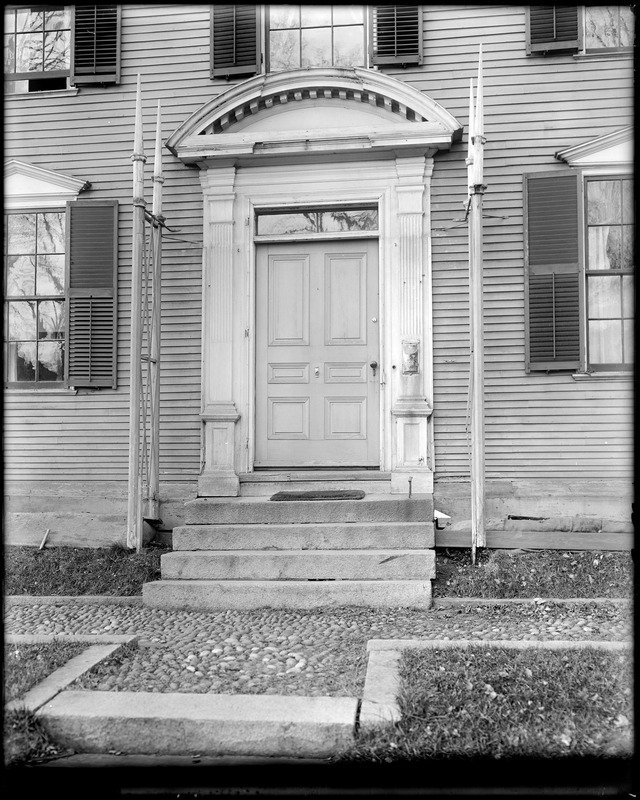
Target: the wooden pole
(134, 515)
(153, 510)
(475, 163)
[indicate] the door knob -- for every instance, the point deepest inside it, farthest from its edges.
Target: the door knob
(374, 367)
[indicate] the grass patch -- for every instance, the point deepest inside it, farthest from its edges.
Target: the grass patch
(74, 571)
(25, 739)
(25, 665)
(540, 573)
(500, 703)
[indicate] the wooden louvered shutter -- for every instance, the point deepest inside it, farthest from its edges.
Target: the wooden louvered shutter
(553, 28)
(96, 44)
(396, 35)
(553, 275)
(235, 38)
(92, 248)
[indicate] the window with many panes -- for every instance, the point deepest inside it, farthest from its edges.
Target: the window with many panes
(315, 36)
(37, 48)
(580, 29)
(51, 47)
(300, 36)
(580, 272)
(609, 272)
(36, 306)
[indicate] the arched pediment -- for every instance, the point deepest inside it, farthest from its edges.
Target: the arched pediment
(312, 107)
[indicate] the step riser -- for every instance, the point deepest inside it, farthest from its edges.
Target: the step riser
(301, 565)
(266, 489)
(360, 536)
(217, 595)
(184, 724)
(219, 512)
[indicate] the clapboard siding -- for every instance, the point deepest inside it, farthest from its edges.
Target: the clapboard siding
(536, 425)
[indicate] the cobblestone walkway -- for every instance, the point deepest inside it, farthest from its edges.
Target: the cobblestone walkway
(267, 651)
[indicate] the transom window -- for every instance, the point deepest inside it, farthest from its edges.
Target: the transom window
(315, 36)
(312, 221)
(35, 311)
(609, 272)
(37, 48)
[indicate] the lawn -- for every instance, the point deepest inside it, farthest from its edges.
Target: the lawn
(25, 739)
(501, 703)
(117, 571)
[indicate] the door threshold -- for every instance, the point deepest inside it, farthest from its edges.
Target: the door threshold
(327, 474)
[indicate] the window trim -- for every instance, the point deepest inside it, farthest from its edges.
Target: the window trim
(6, 299)
(586, 176)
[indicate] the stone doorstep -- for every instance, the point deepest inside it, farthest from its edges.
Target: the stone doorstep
(382, 681)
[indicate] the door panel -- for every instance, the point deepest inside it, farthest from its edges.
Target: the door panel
(317, 398)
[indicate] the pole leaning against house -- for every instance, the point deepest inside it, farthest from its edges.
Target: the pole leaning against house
(134, 515)
(475, 174)
(153, 500)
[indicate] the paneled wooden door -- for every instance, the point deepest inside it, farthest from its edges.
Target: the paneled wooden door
(317, 355)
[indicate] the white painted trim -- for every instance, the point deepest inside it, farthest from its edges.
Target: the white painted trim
(28, 186)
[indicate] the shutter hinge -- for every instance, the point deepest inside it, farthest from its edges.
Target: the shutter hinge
(246, 333)
(247, 222)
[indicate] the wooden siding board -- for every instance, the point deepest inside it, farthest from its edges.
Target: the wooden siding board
(534, 105)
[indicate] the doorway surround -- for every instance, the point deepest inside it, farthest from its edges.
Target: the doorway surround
(321, 139)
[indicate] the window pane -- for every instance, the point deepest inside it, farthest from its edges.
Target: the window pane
(29, 21)
(605, 342)
(51, 361)
(51, 319)
(316, 47)
(627, 247)
(627, 326)
(21, 361)
(348, 47)
(50, 275)
(627, 26)
(627, 201)
(346, 15)
(284, 16)
(9, 54)
(29, 55)
(604, 202)
(314, 16)
(332, 221)
(605, 248)
(602, 26)
(55, 20)
(9, 21)
(56, 50)
(21, 229)
(276, 224)
(284, 50)
(21, 276)
(22, 321)
(628, 296)
(604, 297)
(51, 233)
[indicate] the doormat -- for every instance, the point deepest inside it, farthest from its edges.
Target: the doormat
(355, 494)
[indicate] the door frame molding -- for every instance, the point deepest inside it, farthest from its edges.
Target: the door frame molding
(400, 187)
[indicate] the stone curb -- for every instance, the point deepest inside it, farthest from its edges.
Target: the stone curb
(382, 681)
(53, 600)
(438, 602)
(444, 602)
(58, 680)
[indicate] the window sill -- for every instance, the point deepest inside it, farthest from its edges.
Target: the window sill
(16, 391)
(54, 93)
(607, 55)
(603, 376)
